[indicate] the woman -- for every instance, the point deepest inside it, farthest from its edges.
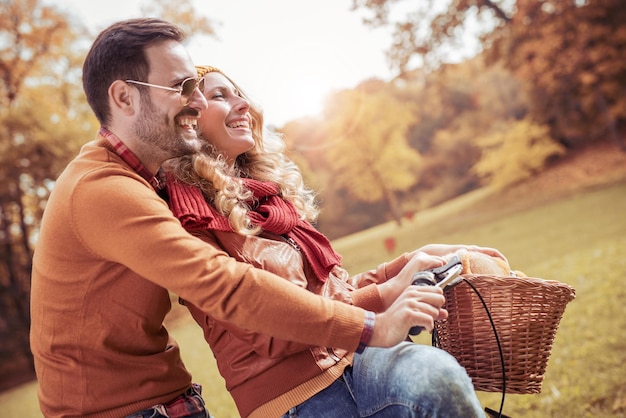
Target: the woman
(244, 196)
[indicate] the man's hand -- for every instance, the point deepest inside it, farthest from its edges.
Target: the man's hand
(416, 306)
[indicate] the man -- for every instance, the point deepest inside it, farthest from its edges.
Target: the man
(110, 249)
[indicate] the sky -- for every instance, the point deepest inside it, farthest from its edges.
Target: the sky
(286, 54)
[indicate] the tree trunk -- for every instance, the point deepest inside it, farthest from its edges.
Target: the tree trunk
(393, 205)
(611, 123)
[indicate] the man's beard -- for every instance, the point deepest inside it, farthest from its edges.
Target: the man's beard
(163, 133)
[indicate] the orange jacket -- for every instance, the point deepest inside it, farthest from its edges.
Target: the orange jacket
(267, 376)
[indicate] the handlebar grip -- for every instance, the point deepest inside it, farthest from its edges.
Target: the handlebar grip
(421, 278)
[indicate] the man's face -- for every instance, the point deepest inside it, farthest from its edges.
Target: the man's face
(164, 124)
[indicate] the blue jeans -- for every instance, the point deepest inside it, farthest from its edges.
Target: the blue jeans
(408, 380)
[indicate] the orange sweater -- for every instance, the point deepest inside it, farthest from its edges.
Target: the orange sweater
(108, 249)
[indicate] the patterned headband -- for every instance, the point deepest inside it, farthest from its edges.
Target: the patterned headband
(205, 69)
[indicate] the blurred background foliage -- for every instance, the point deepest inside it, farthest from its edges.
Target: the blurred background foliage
(550, 80)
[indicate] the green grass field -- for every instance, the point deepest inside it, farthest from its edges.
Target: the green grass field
(579, 240)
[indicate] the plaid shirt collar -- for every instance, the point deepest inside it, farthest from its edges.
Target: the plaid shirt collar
(131, 159)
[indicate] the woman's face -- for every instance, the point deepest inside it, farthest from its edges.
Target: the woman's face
(226, 121)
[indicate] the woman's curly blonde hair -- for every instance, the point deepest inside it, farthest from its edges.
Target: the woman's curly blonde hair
(221, 184)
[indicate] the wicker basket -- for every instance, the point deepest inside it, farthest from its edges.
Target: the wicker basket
(526, 313)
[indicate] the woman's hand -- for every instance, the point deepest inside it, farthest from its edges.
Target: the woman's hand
(419, 261)
(427, 257)
(443, 250)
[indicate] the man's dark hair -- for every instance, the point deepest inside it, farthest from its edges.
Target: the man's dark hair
(118, 53)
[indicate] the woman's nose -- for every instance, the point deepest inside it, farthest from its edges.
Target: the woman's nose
(197, 100)
(243, 105)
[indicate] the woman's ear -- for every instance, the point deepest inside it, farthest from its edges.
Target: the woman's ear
(123, 97)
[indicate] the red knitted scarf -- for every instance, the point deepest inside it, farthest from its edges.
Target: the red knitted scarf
(272, 213)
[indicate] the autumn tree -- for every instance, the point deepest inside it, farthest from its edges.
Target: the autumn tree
(367, 145)
(572, 54)
(517, 151)
(570, 51)
(42, 121)
(456, 107)
(430, 32)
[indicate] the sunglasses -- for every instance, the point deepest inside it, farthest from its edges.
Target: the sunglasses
(186, 89)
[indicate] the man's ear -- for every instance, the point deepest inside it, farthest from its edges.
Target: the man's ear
(123, 97)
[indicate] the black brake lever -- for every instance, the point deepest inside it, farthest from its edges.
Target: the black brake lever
(444, 276)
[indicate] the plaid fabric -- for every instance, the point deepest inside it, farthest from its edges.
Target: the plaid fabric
(187, 405)
(368, 330)
(129, 158)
